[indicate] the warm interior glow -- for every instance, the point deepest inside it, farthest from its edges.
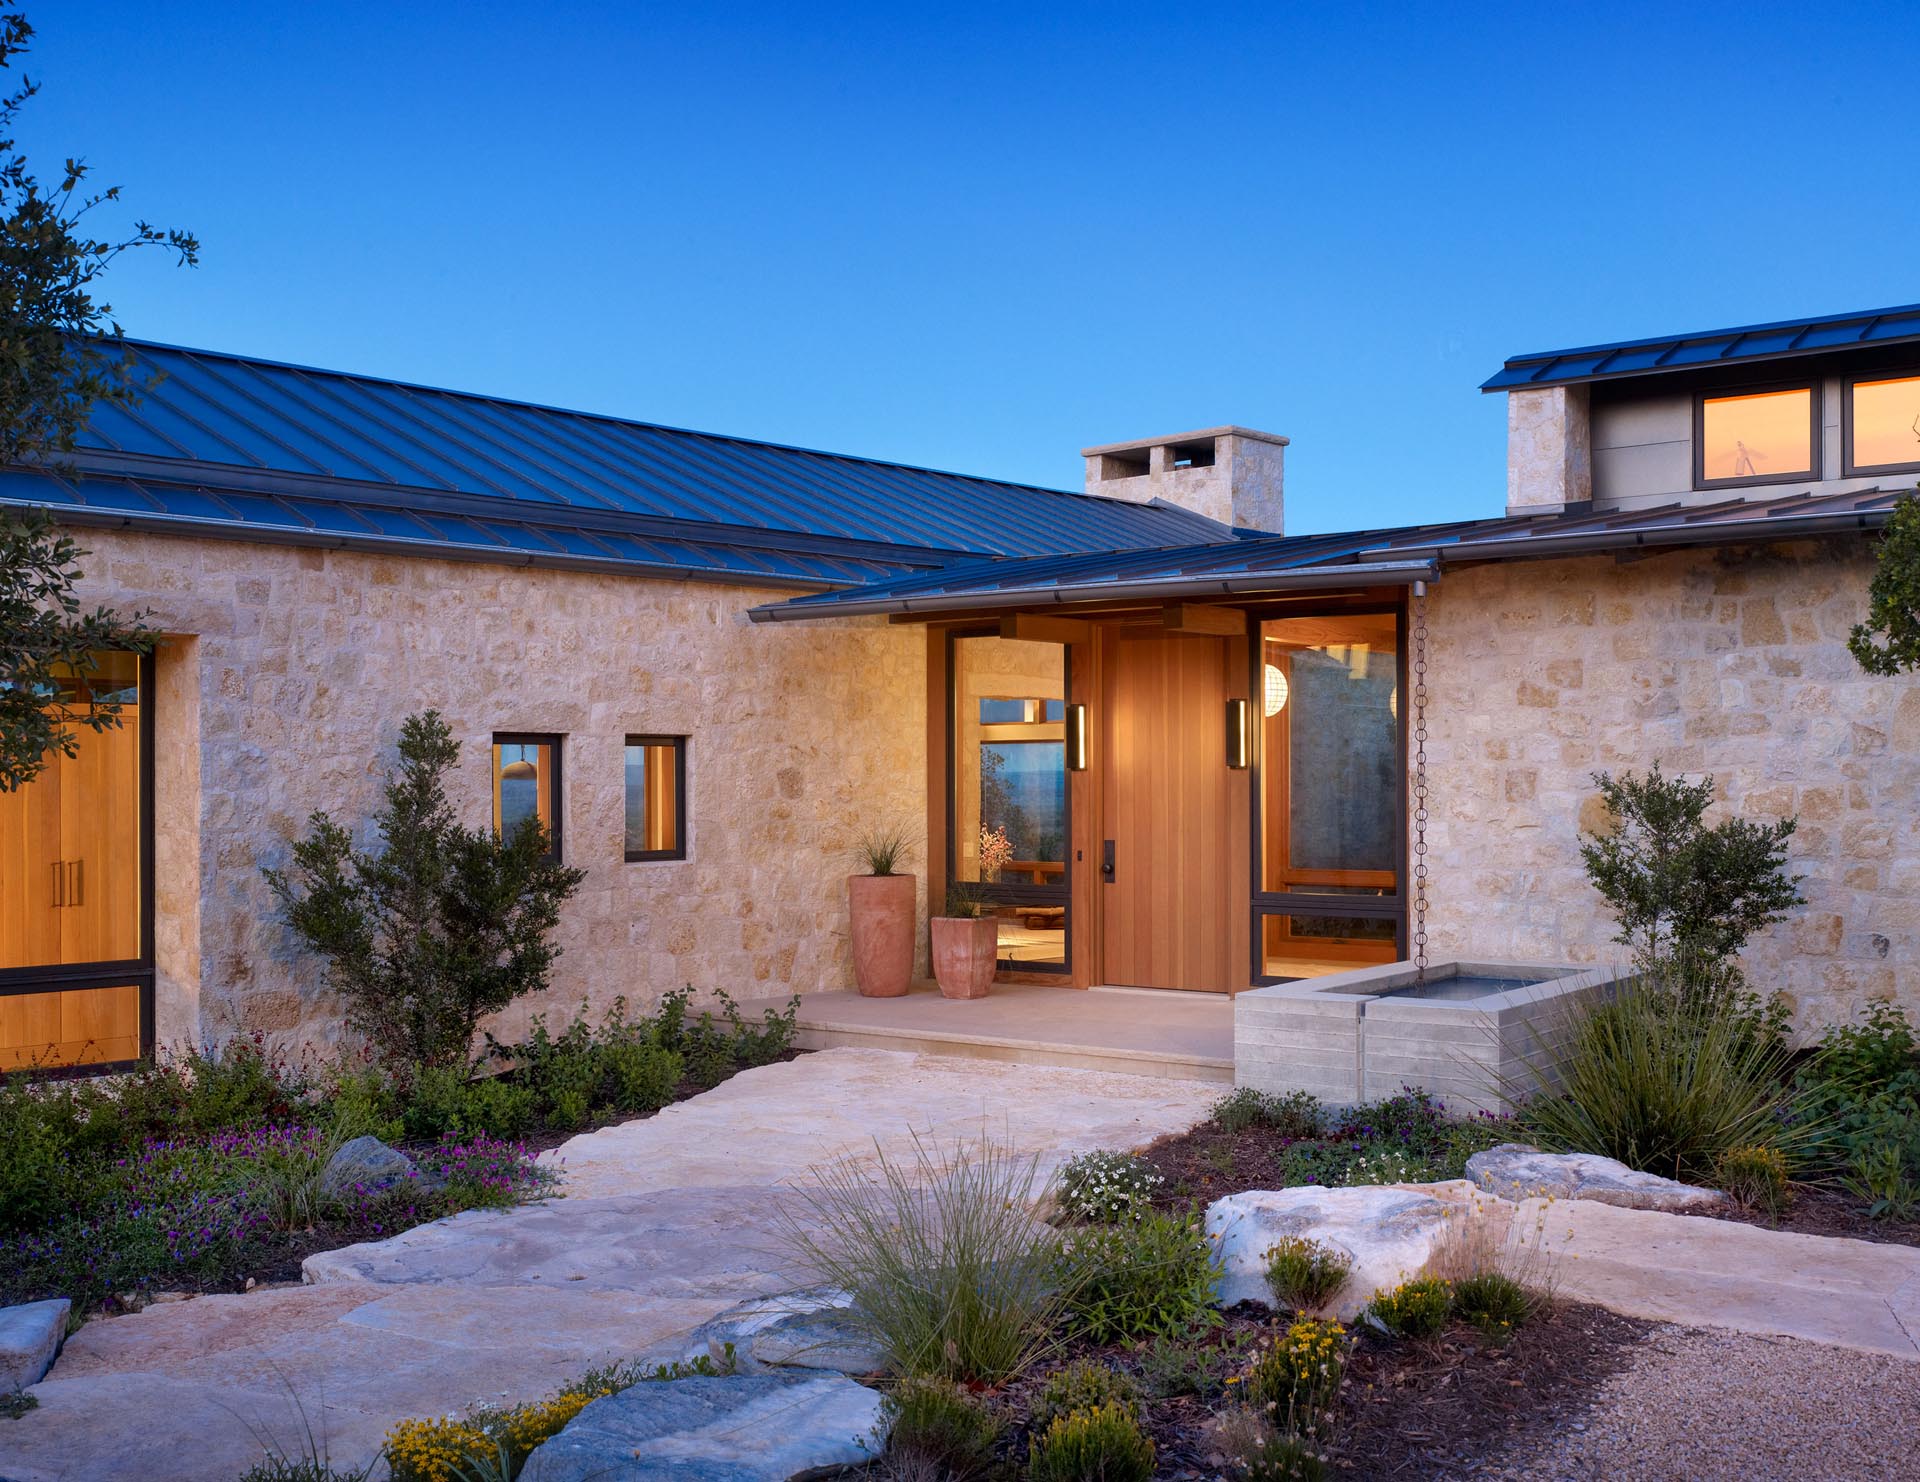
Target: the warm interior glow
(1275, 699)
(1886, 422)
(1766, 435)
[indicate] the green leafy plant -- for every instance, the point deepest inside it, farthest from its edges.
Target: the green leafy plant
(1147, 1277)
(1888, 642)
(1878, 1175)
(1687, 895)
(949, 1269)
(1663, 1084)
(1104, 1188)
(1296, 1114)
(1083, 1385)
(1171, 1367)
(936, 1425)
(1414, 1309)
(443, 926)
(1306, 1273)
(1104, 1444)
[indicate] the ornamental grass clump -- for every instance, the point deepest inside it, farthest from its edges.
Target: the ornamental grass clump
(950, 1269)
(1304, 1274)
(1151, 1277)
(1104, 1444)
(935, 1428)
(1494, 1303)
(1103, 1188)
(1414, 1309)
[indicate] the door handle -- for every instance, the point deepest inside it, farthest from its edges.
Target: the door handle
(79, 882)
(1106, 861)
(59, 884)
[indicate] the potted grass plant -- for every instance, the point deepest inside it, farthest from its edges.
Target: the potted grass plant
(966, 940)
(880, 908)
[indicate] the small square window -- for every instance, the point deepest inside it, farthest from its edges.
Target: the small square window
(656, 797)
(526, 784)
(1883, 425)
(1756, 437)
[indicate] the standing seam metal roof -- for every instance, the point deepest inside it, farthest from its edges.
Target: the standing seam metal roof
(232, 427)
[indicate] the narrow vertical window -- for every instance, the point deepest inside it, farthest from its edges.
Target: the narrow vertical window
(526, 784)
(656, 797)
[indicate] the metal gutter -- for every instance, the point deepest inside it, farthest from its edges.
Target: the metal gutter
(1308, 579)
(392, 545)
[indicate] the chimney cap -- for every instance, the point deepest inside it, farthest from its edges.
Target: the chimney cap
(1230, 430)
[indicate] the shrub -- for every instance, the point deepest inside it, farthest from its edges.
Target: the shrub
(1083, 1385)
(1150, 1277)
(1293, 1379)
(445, 925)
(1104, 1444)
(1861, 1088)
(948, 1267)
(1259, 1452)
(1687, 896)
(1305, 1273)
(936, 1423)
(1170, 1367)
(1757, 1177)
(1662, 1084)
(1296, 1114)
(35, 1163)
(1878, 1176)
(1102, 1188)
(1493, 1302)
(1414, 1309)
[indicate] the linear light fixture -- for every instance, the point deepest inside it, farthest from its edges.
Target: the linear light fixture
(1239, 742)
(1076, 738)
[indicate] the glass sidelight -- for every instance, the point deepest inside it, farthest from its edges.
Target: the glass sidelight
(75, 967)
(1330, 802)
(1007, 810)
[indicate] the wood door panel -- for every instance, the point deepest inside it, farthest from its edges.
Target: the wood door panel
(29, 862)
(100, 843)
(69, 1027)
(1174, 812)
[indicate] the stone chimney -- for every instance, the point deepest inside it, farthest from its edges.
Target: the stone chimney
(1229, 474)
(1549, 449)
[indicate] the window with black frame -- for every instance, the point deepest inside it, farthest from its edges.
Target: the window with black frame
(1008, 799)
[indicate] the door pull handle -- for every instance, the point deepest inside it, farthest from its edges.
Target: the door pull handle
(59, 884)
(79, 882)
(1106, 861)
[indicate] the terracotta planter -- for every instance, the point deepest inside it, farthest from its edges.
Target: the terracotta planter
(881, 910)
(965, 953)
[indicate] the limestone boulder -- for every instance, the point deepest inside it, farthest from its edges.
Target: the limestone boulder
(743, 1428)
(30, 1336)
(1516, 1171)
(1388, 1232)
(368, 1163)
(810, 1329)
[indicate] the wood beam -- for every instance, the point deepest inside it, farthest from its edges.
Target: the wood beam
(1040, 627)
(1197, 618)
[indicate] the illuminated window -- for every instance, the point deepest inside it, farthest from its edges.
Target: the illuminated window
(526, 784)
(656, 797)
(1883, 425)
(1757, 437)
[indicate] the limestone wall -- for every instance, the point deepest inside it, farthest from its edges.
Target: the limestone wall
(1729, 662)
(294, 668)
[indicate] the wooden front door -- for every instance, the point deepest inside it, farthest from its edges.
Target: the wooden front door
(1175, 905)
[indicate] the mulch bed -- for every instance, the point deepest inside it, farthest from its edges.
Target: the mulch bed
(1819, 1210)
(1437, 1408)
(1205, 1163)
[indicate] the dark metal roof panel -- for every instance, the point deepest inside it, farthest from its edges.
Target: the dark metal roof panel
(1719, 346)
(224, 421)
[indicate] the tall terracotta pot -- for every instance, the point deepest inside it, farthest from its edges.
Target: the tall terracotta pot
(965, 952)
(881, 910)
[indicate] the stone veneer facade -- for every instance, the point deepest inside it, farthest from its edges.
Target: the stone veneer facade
(1732, 662)
(289, 670)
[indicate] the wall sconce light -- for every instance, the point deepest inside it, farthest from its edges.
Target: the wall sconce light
(1239, 743)
(1076, 736)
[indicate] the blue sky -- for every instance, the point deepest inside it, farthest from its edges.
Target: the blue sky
(981, 237)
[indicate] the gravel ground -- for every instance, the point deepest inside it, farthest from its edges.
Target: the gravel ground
(1700, 1405)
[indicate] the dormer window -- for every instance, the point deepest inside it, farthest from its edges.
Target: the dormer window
(1755, 437)
(1883, 426)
